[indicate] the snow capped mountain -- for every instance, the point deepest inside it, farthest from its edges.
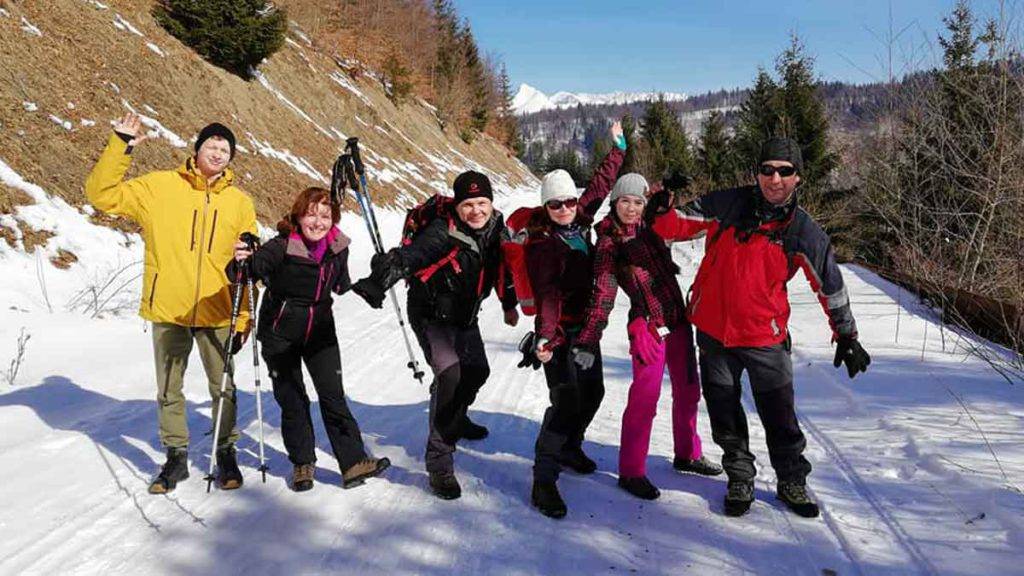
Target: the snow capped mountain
(528, 99)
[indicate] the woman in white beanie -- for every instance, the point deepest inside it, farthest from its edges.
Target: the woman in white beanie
(559, 259)
(631, 255)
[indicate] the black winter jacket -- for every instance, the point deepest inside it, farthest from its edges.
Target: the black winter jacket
(452, 269)
(296, 309)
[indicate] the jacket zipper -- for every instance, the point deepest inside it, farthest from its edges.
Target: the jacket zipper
(279, 314)
(213, 230)
(199, 254)
(152, 291)
(316, 298)
(192, 245)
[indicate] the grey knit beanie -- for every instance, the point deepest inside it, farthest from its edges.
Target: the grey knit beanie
(557, 185)
(631, 184)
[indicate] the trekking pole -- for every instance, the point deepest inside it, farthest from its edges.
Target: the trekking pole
(251, 239)
(236, 305)
(338, 180)
(366, 206)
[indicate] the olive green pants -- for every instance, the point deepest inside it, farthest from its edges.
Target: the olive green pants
(172, 345)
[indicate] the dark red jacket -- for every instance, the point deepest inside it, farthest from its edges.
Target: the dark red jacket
(637, 259)
(739, 296)
(560, 276)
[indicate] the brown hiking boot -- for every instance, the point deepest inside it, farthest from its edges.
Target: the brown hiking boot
(302, 477)
(365, 468)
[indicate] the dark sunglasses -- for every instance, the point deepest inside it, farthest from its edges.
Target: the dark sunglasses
(557, 204)
(783, 171)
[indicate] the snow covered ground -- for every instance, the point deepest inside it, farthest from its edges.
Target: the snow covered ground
(908, 482)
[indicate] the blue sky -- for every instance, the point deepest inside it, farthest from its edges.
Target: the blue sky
(694, 46)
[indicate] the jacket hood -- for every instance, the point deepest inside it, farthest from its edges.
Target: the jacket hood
(197, 181)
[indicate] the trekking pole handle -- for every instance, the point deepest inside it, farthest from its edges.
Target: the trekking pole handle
(338, 180)
(350, 174)
(352, 145)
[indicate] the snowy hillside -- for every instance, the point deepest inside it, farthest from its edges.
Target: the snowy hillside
(905, 457)
(529, 99)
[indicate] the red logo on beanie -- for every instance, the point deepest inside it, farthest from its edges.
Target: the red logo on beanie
(474, 188)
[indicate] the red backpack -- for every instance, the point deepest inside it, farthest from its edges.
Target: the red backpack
(514, 251)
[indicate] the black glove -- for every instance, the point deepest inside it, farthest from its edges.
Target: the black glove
(237, 341)
(370, 290)
(658, 204)
(675, 179)
(850, 352)
(528, 346)
(388, 268)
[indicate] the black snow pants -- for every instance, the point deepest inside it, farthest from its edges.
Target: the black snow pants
(576, 395)
(770, 370)
(323, 361)
(457, 358)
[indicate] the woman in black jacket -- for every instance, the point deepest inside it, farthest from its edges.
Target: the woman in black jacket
(301, 267)
(451, 265)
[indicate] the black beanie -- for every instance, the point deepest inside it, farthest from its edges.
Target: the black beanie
(472, 185)
(216, 129)
(782, 149)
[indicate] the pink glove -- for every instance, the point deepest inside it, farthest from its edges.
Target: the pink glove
(645, 343)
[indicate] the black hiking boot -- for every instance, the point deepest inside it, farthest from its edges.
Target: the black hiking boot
(302, 477)
(739, 498)
(545, 497)
(444, 485)
(795, 496)
(471, 430)
(175, 470)
(577, 461)
(229, 477)
(357, 474)
(640, 487)
(701, 466)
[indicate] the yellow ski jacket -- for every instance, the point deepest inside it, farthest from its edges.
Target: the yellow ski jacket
(189, 227)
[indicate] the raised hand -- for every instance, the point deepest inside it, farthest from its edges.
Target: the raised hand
(130, 125)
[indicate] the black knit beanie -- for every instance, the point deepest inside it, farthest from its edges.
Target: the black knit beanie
(782, 149)
(472, 185)
(216, 129)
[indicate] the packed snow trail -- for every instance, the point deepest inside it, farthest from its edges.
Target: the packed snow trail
(906, 482)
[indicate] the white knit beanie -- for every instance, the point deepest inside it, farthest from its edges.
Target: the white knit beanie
(631, 184)
(557, 185)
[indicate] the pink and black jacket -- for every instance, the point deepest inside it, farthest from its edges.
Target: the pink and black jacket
(752, 251)
(296, 309)
(637, 259)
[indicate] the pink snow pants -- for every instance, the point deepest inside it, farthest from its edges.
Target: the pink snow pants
(677, 352)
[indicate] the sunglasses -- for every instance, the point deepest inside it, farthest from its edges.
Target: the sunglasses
(783, 171)
(569, 203)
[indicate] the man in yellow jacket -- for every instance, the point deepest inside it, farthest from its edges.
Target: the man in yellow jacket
(190, 218)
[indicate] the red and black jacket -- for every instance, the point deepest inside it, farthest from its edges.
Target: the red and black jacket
(739, 296)
(637, 259)
(562, 277)
(296, 308)
(453, 268)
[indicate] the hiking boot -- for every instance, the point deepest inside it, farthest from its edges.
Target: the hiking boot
(357, 473)
(445, 486)
(795, 496)
(640, 487)
(545, 497)
(471, 430)
(701, 466)
(175, 470)
(577, 461)
(739, 497)
(302, 477)
(229, 477)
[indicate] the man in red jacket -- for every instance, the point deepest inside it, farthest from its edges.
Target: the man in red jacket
(757, 239)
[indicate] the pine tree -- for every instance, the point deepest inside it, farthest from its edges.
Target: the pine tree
(715, 159)
(396, 78)
(235, 35)
(666, 139)
(480, 109)
(630, 162)
(803, 116)
(758, 119)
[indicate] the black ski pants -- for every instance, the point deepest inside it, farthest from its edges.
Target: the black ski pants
(323, 361)
(770, 370)
(576, 395)
(457, 358)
